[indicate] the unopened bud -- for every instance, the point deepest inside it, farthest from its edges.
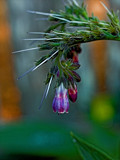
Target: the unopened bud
(72, 92)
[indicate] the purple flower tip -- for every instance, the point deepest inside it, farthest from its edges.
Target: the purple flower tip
(72, 93)
(60, 101)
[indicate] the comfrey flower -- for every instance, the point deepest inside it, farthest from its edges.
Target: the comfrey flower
(60, 101)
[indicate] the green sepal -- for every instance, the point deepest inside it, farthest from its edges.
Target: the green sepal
(74, 66)
(59, 81)
(76, 76)
(54, 27)
(65, 82)
(68, 64)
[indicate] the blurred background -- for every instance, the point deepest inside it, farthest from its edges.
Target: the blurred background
(29, 133)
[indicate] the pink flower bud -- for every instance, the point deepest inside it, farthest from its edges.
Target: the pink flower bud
(60, 101)
(75, 57)
(72, 92)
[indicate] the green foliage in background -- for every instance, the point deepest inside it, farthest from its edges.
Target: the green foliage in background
(88, 151)
(34, 138)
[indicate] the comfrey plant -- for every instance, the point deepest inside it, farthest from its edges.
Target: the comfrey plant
(64, 46)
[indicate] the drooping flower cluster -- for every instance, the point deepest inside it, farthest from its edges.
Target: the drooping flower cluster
(67, 81)
(65, 59)
(64, 47)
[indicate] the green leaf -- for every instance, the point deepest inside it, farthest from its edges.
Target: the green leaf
(53, 27)
(88, 151)
(74, 66)
(75, 76)
(48, 46)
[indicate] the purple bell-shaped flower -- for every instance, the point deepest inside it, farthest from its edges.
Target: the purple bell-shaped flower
(60, 102)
